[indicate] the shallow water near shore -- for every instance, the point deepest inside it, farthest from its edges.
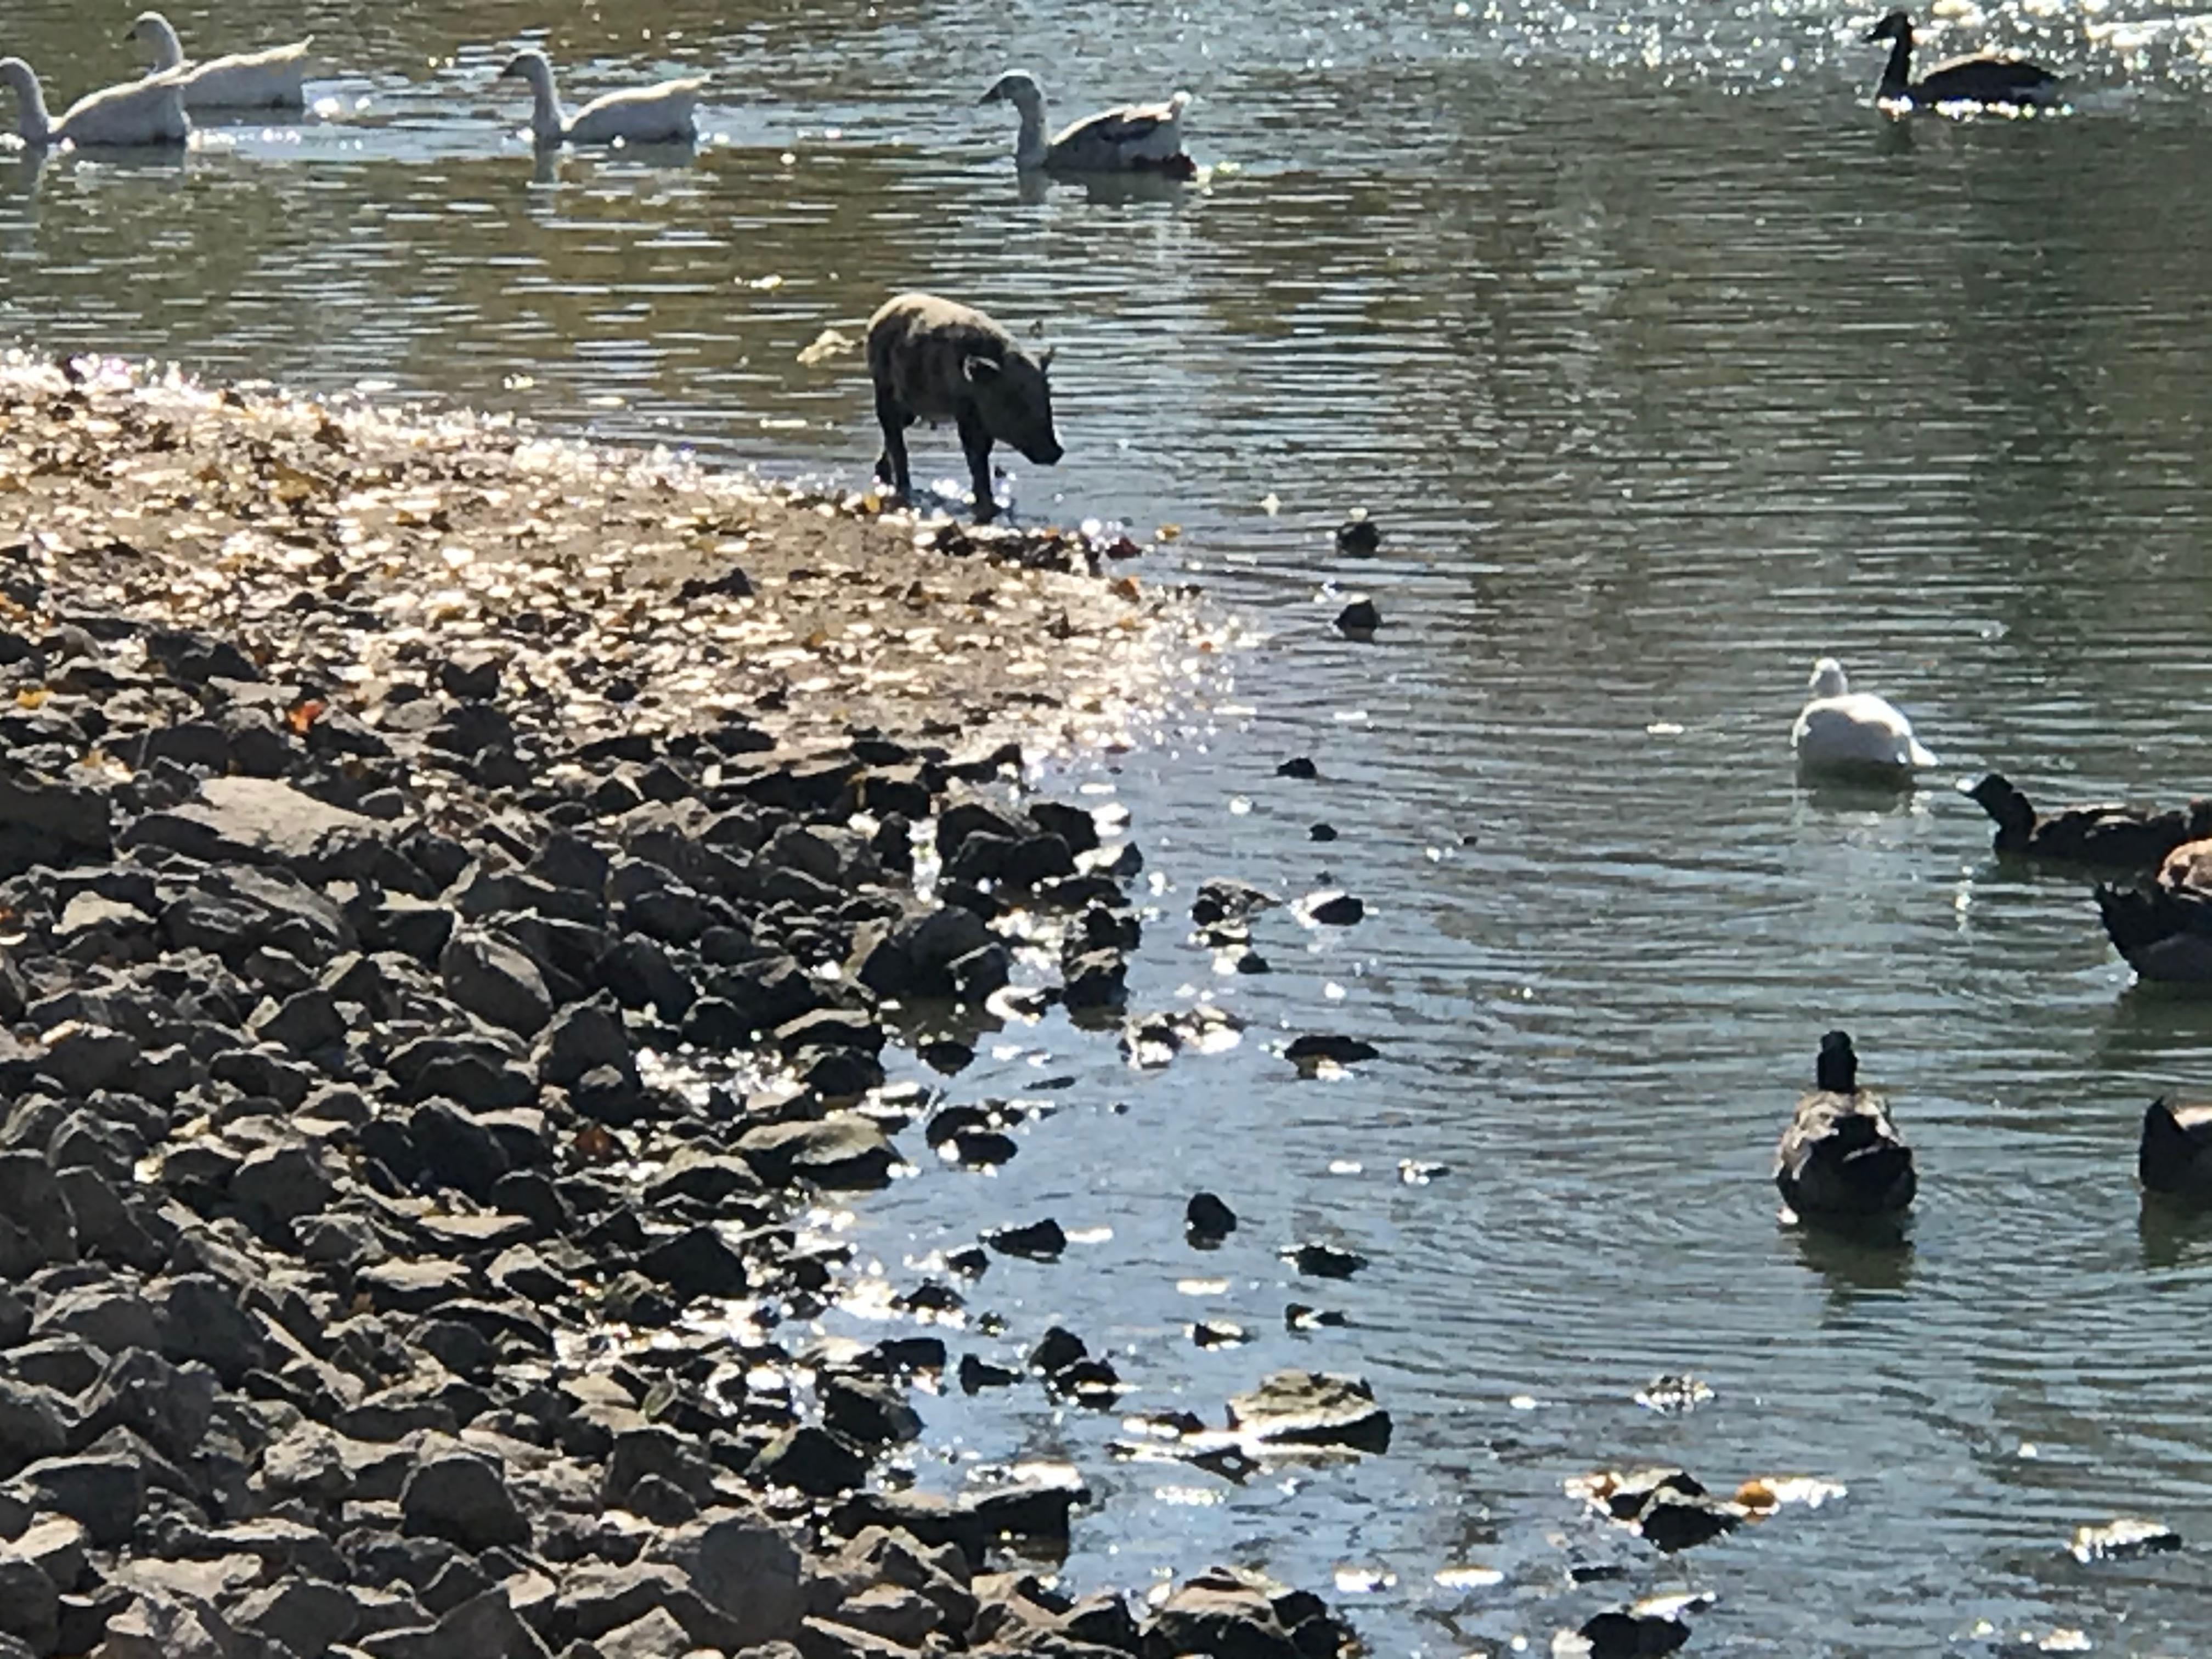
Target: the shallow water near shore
(1664, 365)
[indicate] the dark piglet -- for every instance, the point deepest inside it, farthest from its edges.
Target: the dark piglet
(935, 360)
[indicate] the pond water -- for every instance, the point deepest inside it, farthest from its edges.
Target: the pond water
(1665, 364)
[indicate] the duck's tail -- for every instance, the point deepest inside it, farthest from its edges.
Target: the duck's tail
(1918, 753)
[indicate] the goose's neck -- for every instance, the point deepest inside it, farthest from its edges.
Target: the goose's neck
(168, 51)
(34, 125)
(1031, 145)
(546, 117)
(1897, 78)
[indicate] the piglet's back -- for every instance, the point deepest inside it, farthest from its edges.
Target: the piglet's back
(917, 343)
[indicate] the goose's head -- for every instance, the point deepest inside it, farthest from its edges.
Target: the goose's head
(1017, 87)
(1837, 1070)
(1895, 26)
(17, 77)
(1828, 679)
(529, 64)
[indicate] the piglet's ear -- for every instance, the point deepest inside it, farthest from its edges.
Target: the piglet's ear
(1044, 363)
(979, 371)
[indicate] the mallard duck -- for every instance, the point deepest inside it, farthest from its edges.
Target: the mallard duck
(1841, 1158)
(2112, 835)
(2164, 929)
(245, 80)
(2176, 1156)
(1142, 137)
(1843, 731)
(660, 114)
(137, 112)
(2005, 82)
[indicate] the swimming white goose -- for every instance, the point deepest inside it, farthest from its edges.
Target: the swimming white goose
(137, 112)
(659, 114)
(245, 80)
(1141, 137)
(1844, 730)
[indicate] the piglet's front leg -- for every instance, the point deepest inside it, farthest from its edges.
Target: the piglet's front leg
(975, 440)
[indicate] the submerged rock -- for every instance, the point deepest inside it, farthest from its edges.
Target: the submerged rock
(1312, 1408)
(2116, 1540)
(1206, 1220)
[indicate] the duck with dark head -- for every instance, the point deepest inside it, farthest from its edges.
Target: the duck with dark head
(1998, 83)
(1841, 1159)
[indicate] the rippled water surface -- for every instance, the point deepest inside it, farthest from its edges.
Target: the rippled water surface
(1665, 364)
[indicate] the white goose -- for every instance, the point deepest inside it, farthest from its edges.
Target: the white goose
(137, 112)
(245, 80)
(659, 114)
(1844, 730)
(1141, 137)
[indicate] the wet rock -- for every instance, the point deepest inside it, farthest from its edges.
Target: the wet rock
(977, 1375)
(1312, 1408)
(1206, 1220)
(1668, 1506)
(1037, 1241)
(813, 1461)
(698, 1262)
(454, 1494)
(868, 1411)
(1057, 1350)
(1300, 766)
(1321, 832)
(1359, 619)
(1625, 1633)
(1222, 901)
(2118, 1541)
(1324, 1261)
(1221, 1614)
(843, 1151)
(1334, 908)
(1313, 1049)
(947, 954)
(1359, 536)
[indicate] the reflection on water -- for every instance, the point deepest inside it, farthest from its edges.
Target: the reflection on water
(1664, 365)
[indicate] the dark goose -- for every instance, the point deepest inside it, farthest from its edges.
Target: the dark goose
(2002, 82)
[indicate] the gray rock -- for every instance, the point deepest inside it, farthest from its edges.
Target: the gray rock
(743, 1566)
(1219, 1613)
(247, 820)
(486, 1626)
(811, 1460)
(108, 1316)
(584, 1038)
(103, 1491)
(169, 1407)
(56, 1544)
(304, 1021)
(844, 1149)
(30, 1606)
(656, 1636)
(455, 1494)
(1312, 1408)
(14, 1318)
(830, 1638)
(699, 1262)
(201, 1320)
(36, 1226)
(284, 1183)
(307, 1616)
(54, 814)
(34, 1423)
(84, 1058)
(495, 980)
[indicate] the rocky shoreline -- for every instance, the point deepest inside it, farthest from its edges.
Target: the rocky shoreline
(456, 892)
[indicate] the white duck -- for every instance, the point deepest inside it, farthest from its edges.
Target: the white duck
(245, 80)
(1141, 137)
(659, 114)
(1841, 730)
(137, 112)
